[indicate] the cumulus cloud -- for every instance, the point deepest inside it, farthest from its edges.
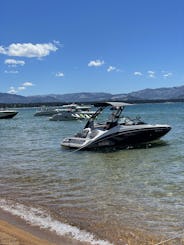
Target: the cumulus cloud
(23, 86)
(151, 74)
(2, 50)
(111, 68)
(168, 74)
(14, 63)
(138, 73)
(96, 63)
(12, 90)
(27, 84)
(29, 50)
(59, 74)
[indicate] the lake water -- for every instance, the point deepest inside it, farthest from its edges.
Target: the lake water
(94, 197)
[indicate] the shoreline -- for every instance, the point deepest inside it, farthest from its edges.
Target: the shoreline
(16, 231)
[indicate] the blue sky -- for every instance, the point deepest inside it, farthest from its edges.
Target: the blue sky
(68, 46)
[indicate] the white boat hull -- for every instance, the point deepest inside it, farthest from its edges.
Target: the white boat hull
(122, 137)
(116, 131)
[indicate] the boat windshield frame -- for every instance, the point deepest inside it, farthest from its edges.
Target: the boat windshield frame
(116, 107)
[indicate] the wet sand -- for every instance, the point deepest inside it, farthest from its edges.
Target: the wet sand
(11, 235)
(15, 231)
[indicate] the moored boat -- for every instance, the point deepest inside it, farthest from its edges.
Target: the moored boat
(117, 131)
(72, 112)
(46, 111)
(7, 114)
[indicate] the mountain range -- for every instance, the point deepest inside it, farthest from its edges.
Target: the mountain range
(173, 93)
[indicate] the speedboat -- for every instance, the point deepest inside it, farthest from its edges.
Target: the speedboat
(65, 115)
(116, 131)
(77, 107)
(7, 114)
(46, 111)
(72, 112)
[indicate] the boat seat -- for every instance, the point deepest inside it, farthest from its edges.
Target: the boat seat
(110, 125)
(84, 133)
(93, 133)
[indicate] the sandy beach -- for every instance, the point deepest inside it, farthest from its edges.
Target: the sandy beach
(11, 235)
(15, 231)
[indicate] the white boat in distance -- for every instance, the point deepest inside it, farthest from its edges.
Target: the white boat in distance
(46, 111)
(7, 114)
(72, 112)
(117, 131)
(77, 107)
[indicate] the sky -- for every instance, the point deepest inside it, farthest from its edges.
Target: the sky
(71, 46)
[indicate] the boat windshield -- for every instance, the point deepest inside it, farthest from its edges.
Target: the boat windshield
(109, 115)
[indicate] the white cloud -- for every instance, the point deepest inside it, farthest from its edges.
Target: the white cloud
(24, 86)
(11, 72)
(151, 74)
(111, 68)
(138, 73)
(96, 63)
(14, 63)
(2, 50)
(27, 84)
(12, 90)
(21, 88)
(29, 50)
(57, 43)
(59, 74)
(168, 74)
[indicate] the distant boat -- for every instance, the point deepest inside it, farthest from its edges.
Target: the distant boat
(72, 112)
(46, 111)
(77, 107)
(7, 114)
(64, 115)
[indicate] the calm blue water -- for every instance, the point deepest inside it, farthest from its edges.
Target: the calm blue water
(101, 192)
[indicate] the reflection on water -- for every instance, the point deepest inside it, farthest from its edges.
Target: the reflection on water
(138, 188)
